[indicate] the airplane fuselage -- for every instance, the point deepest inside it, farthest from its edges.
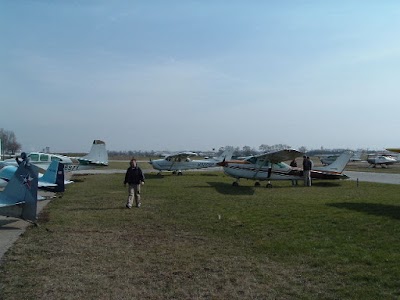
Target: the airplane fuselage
(175, 165)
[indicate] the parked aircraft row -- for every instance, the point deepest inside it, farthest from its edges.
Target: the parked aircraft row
(378, 159)
(98, 156)
(267, 166)
(21, 179)
(52, 180)
(20, 194)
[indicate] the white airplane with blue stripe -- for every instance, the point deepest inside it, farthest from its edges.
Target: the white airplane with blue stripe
(181, 161)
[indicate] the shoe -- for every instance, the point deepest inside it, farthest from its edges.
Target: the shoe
(138, 205)
(128, 206)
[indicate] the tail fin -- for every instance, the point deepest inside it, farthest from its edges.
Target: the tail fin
(54, 175)
(19, 198)
(339, 164)
(98, 154)
(226, 155)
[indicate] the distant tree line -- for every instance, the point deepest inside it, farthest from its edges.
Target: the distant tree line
(9, 142)
(264, 148)
(243, 151)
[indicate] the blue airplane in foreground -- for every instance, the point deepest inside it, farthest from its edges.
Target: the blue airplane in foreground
(19, 197)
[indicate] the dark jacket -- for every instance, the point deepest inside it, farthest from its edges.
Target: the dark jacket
(134, 176)
(307, 165)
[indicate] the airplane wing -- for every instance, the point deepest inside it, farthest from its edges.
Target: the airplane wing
(182, 155)
(397, 150)
(280, 155)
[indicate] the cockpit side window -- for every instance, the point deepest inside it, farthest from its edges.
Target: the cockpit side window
(55, 158)
(252, 160)
(34, 157)
(44, 157)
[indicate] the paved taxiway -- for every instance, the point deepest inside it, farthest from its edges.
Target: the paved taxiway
(11, 229)
(374, 177)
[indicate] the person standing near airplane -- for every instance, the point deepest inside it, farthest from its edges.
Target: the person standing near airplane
(24, 158)
(307, 166)
(293, 164)
(135, 178)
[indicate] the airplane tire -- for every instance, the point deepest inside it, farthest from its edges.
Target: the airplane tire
(269, 186)
(235, 183)
(180, 173)
(257, 184)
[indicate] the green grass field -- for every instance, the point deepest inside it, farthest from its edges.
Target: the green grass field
(197, 237)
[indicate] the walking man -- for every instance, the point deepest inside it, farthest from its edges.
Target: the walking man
(135, 178)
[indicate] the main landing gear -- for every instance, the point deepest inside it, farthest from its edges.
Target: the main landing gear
(256, 184)
(179, 173)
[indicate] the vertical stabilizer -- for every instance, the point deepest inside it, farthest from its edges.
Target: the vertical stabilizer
(55, 175)
(226, 155)
(98, 154)
(19, 198)
(339, 164)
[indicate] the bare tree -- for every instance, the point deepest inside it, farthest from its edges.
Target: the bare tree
(267, 148)
(303, 149)
(9, 141)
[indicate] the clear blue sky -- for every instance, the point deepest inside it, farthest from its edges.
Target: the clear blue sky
(156, 75)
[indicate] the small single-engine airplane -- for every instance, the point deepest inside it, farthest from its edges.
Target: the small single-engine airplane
(271, 166)
(181, 161)
(381, 160)
(97, 156)
(52, 180)
(19, 197)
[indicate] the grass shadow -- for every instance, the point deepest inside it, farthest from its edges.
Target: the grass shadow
(153, 176)
(391, 211)
(228, 189)
(326, 184)
(209, 175)
(97, 208)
